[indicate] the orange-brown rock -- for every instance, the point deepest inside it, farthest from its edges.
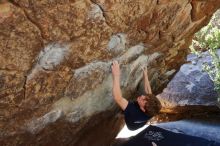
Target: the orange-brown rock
(55, 57)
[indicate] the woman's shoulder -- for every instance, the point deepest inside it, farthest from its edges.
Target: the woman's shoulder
(131, 106)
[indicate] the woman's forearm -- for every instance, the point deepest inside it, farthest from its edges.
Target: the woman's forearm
(147, 86)
(122, 102)
(116, 88)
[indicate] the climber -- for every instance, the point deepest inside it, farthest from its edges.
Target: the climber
(138, 112)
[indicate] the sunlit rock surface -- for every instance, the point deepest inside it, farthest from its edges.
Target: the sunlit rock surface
(191, 86)
(55, 57)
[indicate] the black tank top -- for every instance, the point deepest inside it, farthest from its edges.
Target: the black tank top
(134, 117)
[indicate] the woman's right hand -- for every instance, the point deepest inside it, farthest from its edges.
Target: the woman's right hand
(115, 68)
(145, 71)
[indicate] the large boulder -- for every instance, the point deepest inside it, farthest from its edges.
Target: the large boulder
(191, 86)
(55, 80)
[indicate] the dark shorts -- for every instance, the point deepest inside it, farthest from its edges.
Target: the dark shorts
(162, 137)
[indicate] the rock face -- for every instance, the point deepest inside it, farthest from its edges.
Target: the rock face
(191, 85)
(55, 56)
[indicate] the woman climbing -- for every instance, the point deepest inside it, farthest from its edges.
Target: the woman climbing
(138, 112)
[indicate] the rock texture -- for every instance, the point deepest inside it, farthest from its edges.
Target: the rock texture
(190, 86)
(55, 56)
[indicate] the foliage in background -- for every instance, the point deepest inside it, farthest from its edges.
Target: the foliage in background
(208, 38)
